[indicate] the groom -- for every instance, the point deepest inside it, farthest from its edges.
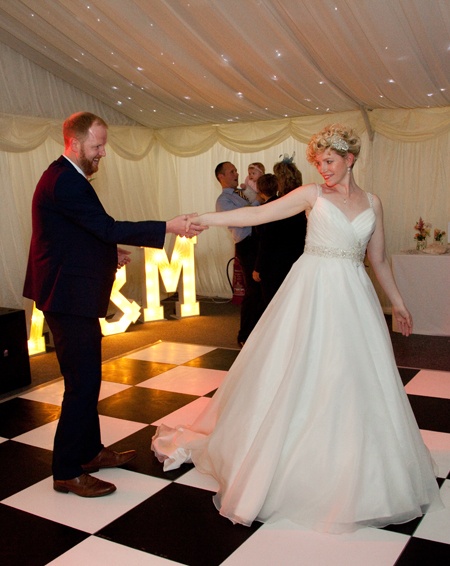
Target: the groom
(71, 269)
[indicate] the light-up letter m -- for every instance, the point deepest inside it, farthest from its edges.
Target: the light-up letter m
(182, 261)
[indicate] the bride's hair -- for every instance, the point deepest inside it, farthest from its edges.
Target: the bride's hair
(337, 137)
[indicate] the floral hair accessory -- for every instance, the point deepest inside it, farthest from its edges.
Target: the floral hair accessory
(338, 143)
(285, 158)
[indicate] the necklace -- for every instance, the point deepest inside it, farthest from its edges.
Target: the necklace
(346, 198)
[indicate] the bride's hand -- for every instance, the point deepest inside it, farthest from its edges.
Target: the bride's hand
(404, 320)
(194, 223)
(193, 226)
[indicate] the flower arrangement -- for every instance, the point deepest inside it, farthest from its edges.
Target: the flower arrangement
(423, 230)
(439, 235)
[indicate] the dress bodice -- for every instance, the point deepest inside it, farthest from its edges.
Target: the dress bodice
(332, 234)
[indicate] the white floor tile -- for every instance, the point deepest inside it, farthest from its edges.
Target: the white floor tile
(436, 525)
(109, 388)
(87, 514)
(438, 444)
(112, 429)
(41, 437)
(185, 379)
(54, 392)
(171, 352)
(291, 545)
(194, 478)
(186, 415)
(96, 551)
(430, 383)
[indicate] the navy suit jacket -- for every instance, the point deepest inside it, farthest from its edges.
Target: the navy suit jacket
(73, 253)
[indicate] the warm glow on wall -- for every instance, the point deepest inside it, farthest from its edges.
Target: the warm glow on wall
(130, 309)
(36, 343)
(157, 263)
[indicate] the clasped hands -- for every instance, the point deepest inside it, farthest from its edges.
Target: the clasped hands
(184, 225)
(123, 257)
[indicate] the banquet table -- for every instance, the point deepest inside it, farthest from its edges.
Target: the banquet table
(424, 283)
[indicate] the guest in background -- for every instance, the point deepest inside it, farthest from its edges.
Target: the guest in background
(289, 176)
(245, 242)
(280, 243)
(249, 186)
(71, 269)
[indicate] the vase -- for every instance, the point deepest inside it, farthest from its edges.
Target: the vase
(421, 245)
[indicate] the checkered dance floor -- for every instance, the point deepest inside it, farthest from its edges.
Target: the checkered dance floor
(158, 518)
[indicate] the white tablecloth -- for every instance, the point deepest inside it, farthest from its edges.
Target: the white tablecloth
(424, 283)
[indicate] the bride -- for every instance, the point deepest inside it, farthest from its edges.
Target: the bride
(312, 422)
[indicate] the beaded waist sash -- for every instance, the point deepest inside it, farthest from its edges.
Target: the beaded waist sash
(355, 254)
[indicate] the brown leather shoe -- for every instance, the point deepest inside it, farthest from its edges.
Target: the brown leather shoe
(84, 486)
(107, 458)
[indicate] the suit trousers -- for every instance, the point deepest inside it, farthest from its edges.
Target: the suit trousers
(251, 306)
(78, 348)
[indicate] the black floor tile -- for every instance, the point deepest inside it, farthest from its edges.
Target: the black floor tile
(432, 413)
(175, 523)
(131, 372)
(407, 374)
(18, 416)
(421, 552)
(25, 538)
(21, 466)
(220, 358)
(143, 405)
(408, 528)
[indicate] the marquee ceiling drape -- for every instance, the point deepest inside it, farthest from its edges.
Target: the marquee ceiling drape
(167, 63)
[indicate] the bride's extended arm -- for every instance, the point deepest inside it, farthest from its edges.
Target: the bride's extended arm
(294, 202)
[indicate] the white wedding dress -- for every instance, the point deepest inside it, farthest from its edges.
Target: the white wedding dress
(312, 422)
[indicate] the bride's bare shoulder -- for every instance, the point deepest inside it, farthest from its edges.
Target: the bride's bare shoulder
(309, 192)
(309, 189)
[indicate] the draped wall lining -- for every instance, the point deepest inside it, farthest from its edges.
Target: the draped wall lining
(161, 173)
(20, 134)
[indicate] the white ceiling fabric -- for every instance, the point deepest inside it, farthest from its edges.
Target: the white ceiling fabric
(165, 63)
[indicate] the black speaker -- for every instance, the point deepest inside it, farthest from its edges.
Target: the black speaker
(14, 359)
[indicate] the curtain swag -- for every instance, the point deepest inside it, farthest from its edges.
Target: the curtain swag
(21, 134)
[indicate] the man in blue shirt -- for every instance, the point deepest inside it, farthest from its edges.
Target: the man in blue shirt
(245, 247)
